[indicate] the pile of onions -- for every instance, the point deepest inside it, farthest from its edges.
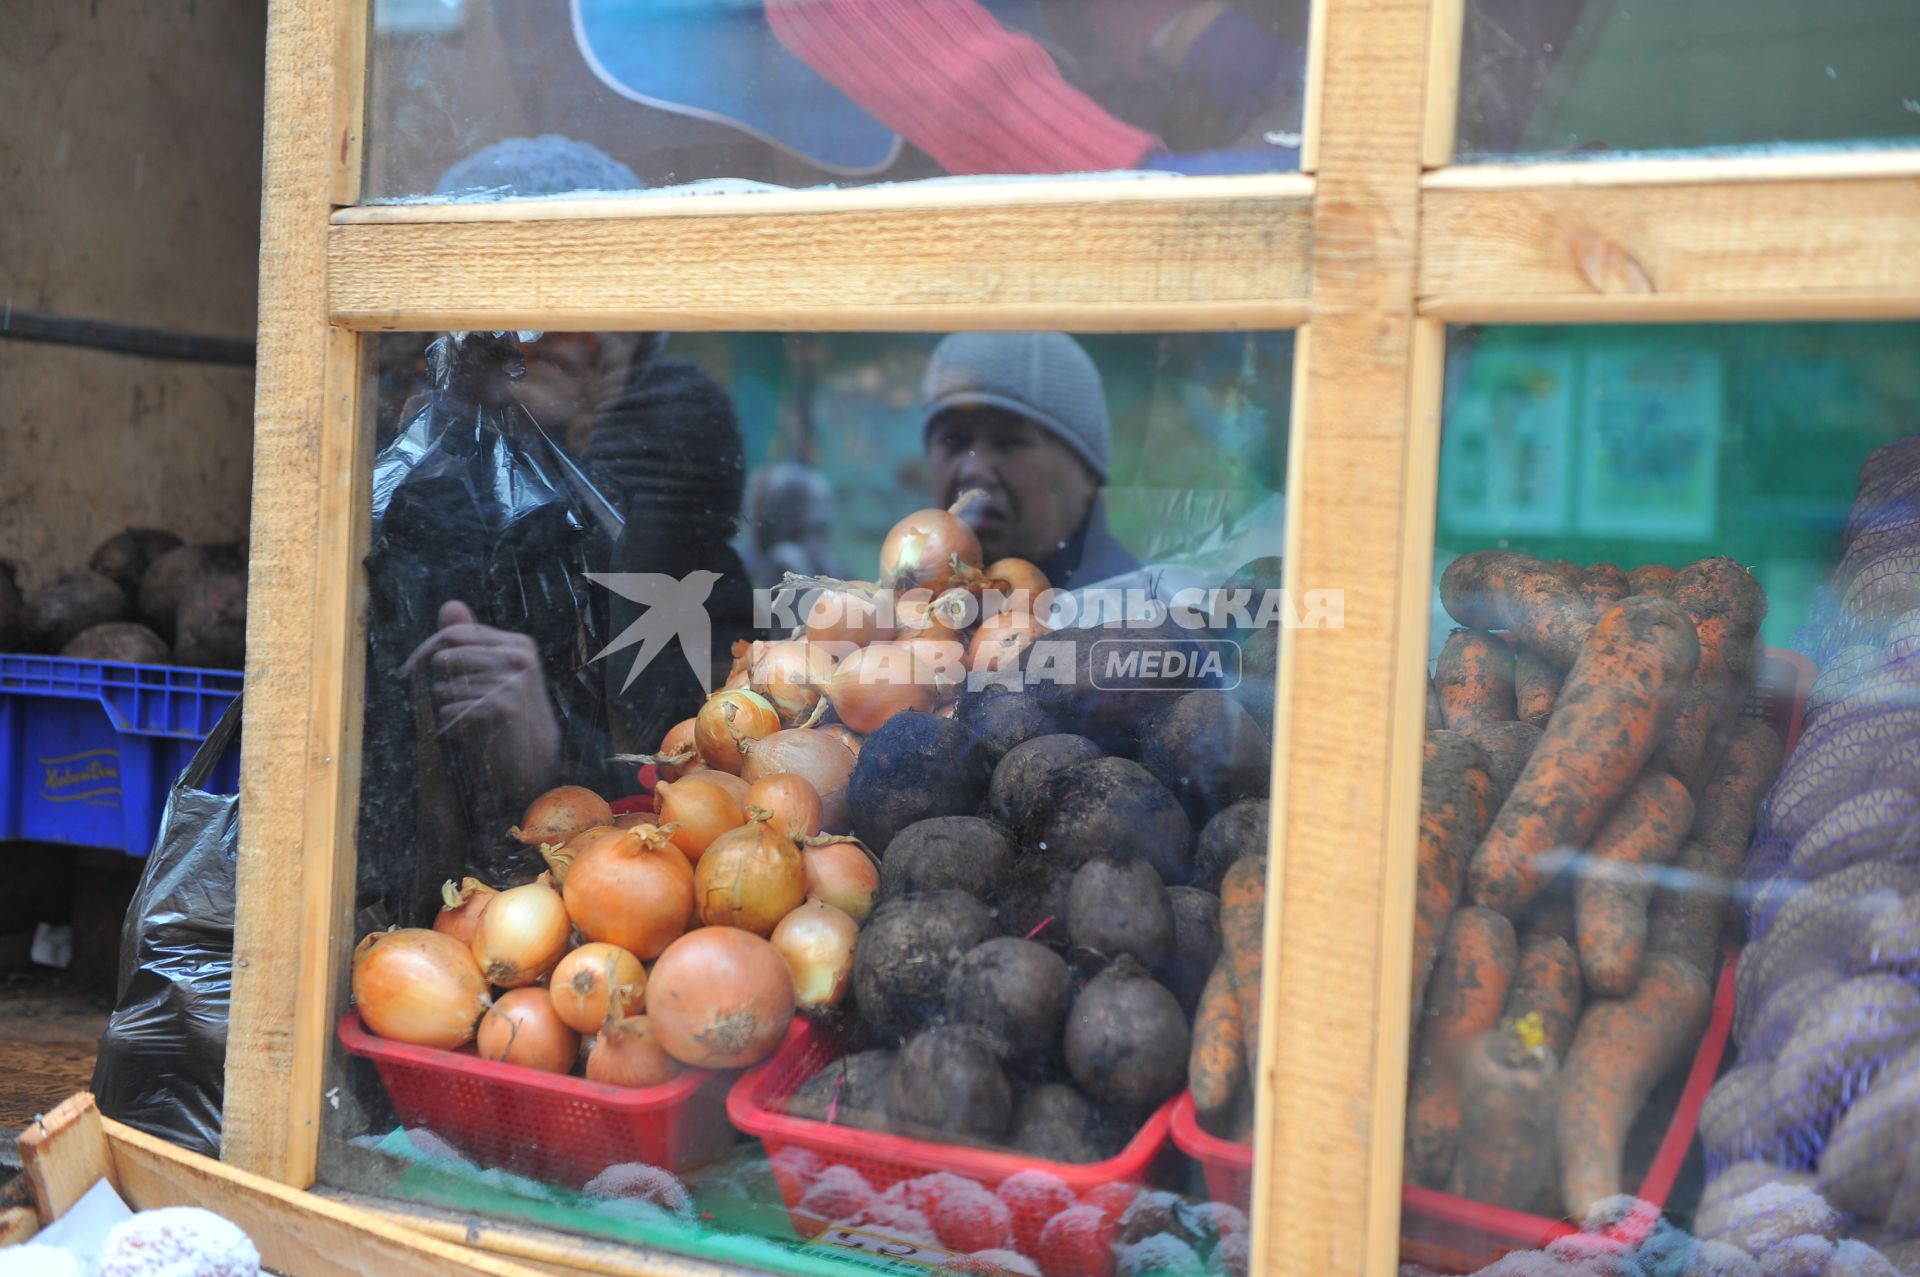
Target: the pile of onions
(524, 1029)
(1012, 585)
(818, 755)
(462, 907)
(999, 641)
(628, 1053)
(848, 615)
(842, 874)
(922, 549)
(789, 675)
(945, 617)
(523, 933)
(750, 878)
(419, 986)
(720, 998)
(596, 983)
(817, 942)
(677, 754)
(559, 814)
(880, 680)
(634, 890)
(628, 819)
(846, 736)
(729, 719)
(792, 804)
(699, 809)
(940, 663)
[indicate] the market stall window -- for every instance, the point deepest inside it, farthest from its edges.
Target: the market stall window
(485, 99)
(1662, 973)
(1544, 79)
(815, 792)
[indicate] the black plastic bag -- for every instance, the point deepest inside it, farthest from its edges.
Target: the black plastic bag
(163, 1058)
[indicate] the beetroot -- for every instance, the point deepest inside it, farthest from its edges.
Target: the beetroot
(1120, 906)
(1016, 993)
(1127, 1038)
(125, 556)
(211, 625)
(1114, 807)
(1020, 794)
(948, 1082)
(960, 853)
(127, 641)
(61, 611)
(915, 767)
(908, 948)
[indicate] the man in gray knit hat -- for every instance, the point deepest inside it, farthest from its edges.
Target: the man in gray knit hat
(1023, 417)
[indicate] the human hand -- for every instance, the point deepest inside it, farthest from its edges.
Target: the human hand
(490, 698)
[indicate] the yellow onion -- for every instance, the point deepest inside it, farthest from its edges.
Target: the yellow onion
(845, 735)
(790, 675)
(558, 814)
(634, 891)
(418, 986)
(463, 906)
(851, 614)
(843, 874)
(737, 675)
(941, 663)
(729, 719)
(998, 642)
(720, 998)
(880, 680)
(629, 819)
(819, 755)
(922, 616)
(817, 941)
(750, 878)
(523, 933)
(523, 1028)
(628, 1053)
(595, 983)
(922, 550)
(791, 803)
(560, 857)
(1011, 585)
(677, 754)
(694, 811)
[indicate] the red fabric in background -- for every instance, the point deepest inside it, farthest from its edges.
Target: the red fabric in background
(945, 75)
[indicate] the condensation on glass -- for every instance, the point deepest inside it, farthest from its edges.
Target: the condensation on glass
(486, 99)
(1047, 719)
(1667, 901)
(1569, 79)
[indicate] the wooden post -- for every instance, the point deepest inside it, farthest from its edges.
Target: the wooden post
(64, 1153)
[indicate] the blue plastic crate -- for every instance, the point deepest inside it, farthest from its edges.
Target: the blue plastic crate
(88, 749)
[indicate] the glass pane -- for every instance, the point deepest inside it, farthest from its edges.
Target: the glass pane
(689, 626)
(482, 99)
(1667, 886)
(1575, 78)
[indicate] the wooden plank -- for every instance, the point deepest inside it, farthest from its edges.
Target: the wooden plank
(18, 1224)
(1755, 248)
(1679, 170)
(64, 1153)
(297, 1233)
(1449, 24)
(297, 771)
(353, 24)
(1329, 1173)
(1149, 256)
(539, 1248)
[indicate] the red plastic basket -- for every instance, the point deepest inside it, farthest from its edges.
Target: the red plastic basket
(562, 1130)
(1456, 1234)
(755, 1105)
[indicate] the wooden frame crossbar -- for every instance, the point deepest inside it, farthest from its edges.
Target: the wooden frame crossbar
(1374, 252)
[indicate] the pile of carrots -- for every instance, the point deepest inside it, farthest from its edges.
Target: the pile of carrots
(1226, 1025)
(1588, 795)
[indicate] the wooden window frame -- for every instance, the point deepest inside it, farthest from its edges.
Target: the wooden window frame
(1369, 254)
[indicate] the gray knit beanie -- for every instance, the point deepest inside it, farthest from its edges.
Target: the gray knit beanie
(1045, 377)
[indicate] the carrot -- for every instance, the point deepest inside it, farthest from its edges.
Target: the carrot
(1651, 578)
(1610, 896)
(1726, 605)
(1474, 676)
(1724, 818)
(1567, 570)
(1616, 699)
(1536, 685)
(1498, 590)
(1623, 1047)
(1509, 1091)
(1507, 747)
(1603, 585)
(1546, 985)
(1243, 918)
(1217, 1066)
(1548, 916)
(1469, 987)
(1435, 718)
(1450, 824)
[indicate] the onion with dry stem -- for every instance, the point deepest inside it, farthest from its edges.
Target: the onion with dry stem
(523, 1028)
(790, 674)
(720, 998)
(462, 907)
(852, 613)
(878, 681)
(418, 986)
(727, 721)
(930, 549)
(750, 878)
(998, 642)
(628, 1053)
(635, 891)
(845, 735)
(817, 941)
(595, 983)
(559, 814)
(843, 874)
(1011, 585)
(792, 804)
(522, 935)
(819, 755)
(695, 810)
(677, 754)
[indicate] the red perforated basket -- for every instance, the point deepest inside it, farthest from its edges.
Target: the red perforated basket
(558, 1129)
(884, 1160)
